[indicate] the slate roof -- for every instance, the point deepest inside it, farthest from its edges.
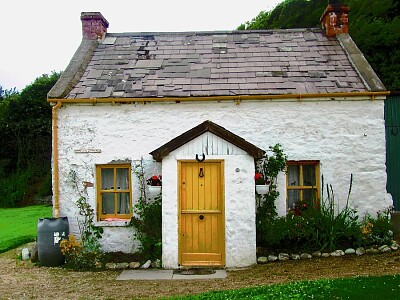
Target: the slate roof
(189, 64)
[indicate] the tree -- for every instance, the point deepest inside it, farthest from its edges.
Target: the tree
(25, 133)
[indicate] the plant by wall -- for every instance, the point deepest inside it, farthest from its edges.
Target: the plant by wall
(269, 167)
(148, 219)
(377, 231)
(329, 226)
(85, 254)
(326, 227)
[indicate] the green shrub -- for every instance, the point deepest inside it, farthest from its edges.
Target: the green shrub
(377, 231)
(269, 167)
(321, 227)
(330, 227)
(148, 219)
(82, 256)
(148, 226)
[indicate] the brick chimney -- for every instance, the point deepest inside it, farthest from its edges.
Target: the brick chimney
(94, 25)
(335, 19)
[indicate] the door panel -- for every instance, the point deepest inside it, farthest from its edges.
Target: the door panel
(392, 124)
(201, 215)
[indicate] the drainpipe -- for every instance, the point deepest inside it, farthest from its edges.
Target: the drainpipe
(55, 160)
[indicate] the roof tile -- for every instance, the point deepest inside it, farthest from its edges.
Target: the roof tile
(226, 63)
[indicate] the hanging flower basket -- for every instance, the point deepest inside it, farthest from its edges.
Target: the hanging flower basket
(262, 189)
(154, 185)
(262, 185)
(154, 190)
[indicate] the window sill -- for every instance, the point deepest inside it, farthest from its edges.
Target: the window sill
(113, 223)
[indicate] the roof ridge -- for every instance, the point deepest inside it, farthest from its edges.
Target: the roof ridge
(119, 34)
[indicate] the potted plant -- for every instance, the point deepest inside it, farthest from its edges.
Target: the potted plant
(267, 169)
(262, 184)
(154, 184)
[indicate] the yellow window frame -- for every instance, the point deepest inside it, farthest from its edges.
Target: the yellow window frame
(301, 188)
(100, 215)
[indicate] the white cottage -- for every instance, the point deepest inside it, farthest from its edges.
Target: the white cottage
(199, 107)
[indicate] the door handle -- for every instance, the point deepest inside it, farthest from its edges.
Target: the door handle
(201, 217)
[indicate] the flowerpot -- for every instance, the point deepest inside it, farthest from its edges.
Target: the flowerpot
(262, 189)
(154, 190)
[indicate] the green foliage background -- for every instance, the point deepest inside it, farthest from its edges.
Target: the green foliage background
(374, 25)
(25, 136)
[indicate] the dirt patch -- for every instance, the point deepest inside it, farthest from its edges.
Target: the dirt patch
(21, 280)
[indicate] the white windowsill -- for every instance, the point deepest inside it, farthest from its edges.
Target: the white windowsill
(113, 223)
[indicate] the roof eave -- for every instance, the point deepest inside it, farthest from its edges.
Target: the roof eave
(74, 71)
(236, 98)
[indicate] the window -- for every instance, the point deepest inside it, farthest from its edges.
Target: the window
(114, 191)
(302, 183)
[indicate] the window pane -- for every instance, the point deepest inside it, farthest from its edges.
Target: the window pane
(293, 175)
(293, 198)
(107, 203)
(122, 179)
(309, 175)
(310, 195)
(107, 179)
(123, 203)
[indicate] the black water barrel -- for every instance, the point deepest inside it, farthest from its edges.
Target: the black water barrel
(50, 233)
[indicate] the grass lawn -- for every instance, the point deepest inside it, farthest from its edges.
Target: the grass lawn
(19, 225)
(383, 287)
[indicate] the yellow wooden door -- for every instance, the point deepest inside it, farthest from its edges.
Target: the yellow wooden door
(201, 214)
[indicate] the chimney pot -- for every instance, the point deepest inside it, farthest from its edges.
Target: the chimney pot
(335, 19)
(94, 25)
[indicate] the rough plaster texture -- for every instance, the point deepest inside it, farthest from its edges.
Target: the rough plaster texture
(346, 136)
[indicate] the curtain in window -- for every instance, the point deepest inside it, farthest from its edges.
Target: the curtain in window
(122, 198)
(293, 180)
(107, 183)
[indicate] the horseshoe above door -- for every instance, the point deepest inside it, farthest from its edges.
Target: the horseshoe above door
(200, 159)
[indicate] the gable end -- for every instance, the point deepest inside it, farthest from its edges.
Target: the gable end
(206, 126)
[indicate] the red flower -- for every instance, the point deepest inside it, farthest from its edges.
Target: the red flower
(154, 180)
(257, 176)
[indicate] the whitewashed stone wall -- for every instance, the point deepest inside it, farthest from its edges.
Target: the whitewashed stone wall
(346, 136)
